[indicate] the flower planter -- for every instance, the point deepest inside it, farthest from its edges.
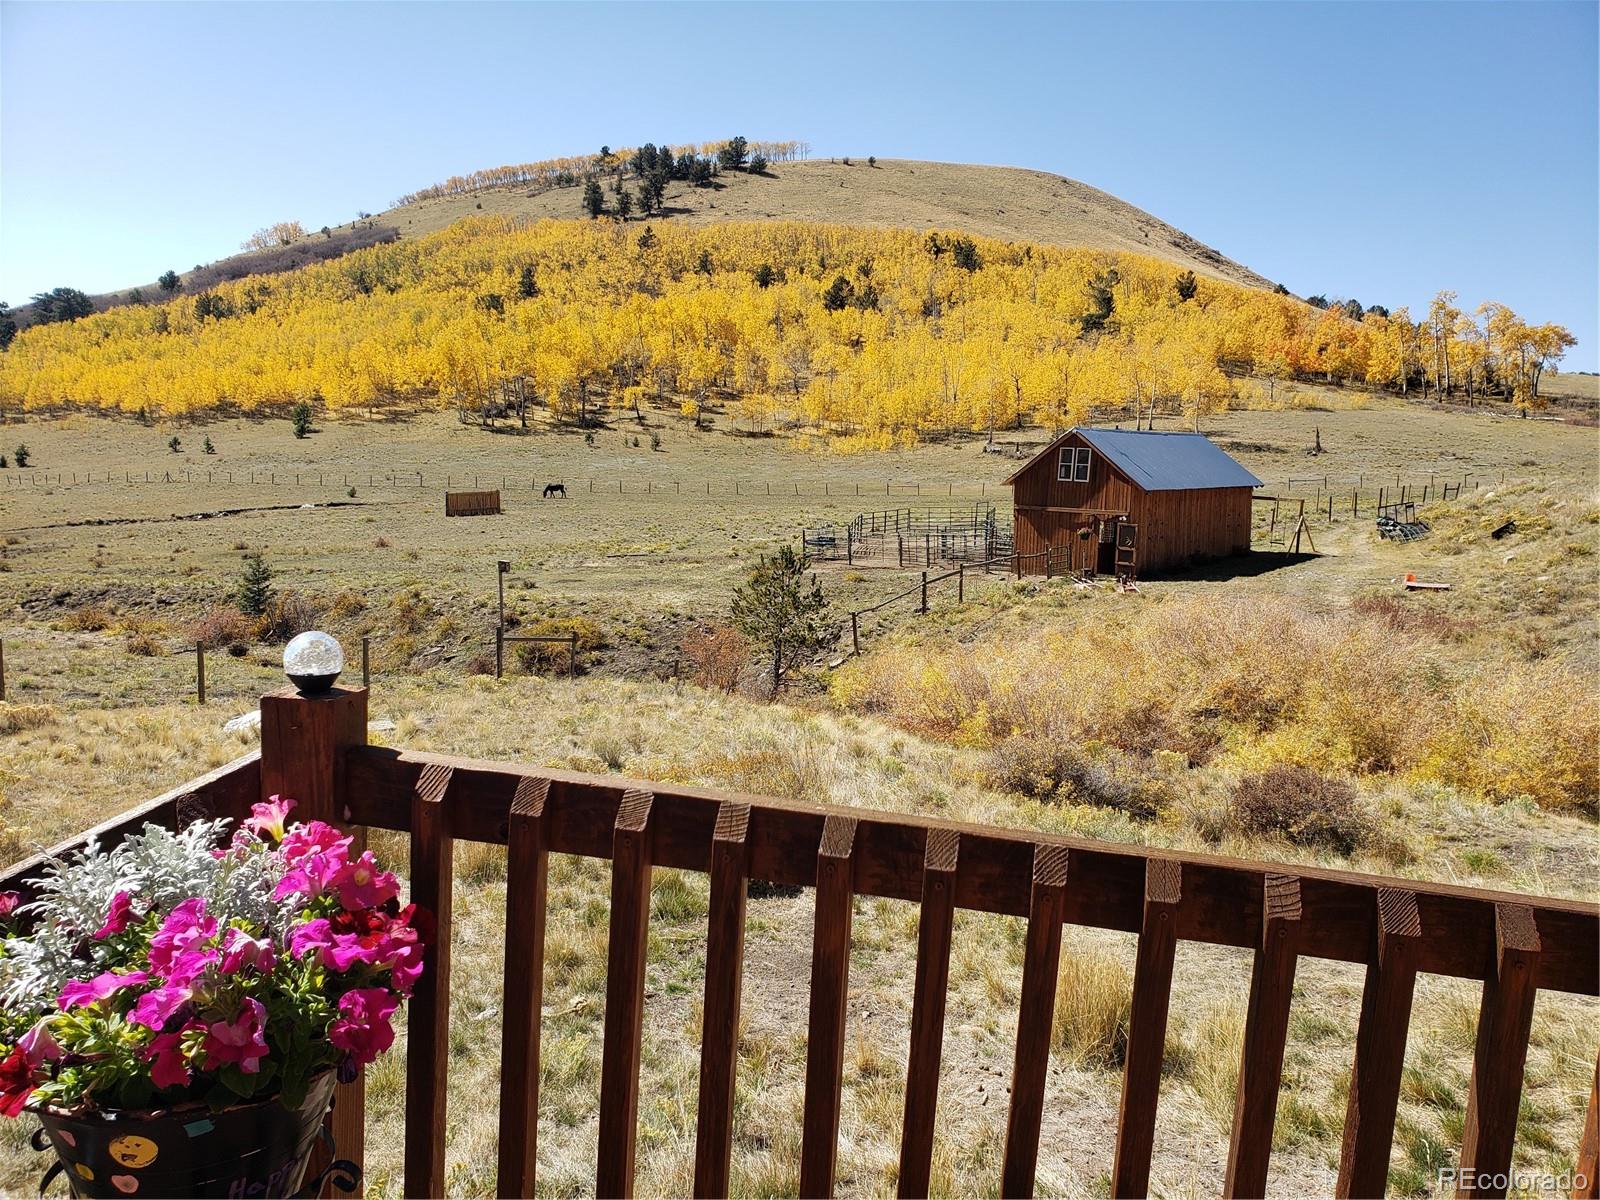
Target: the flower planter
(258, 1149)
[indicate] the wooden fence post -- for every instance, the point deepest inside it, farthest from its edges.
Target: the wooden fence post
(200, 673)
(855, 632)
(2, 668)
(572, 656)
(303, 740)
(924, 608)
(499, 652)
(961, 583)
(366, 660)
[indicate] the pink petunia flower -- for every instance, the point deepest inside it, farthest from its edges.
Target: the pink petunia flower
(241, 1040)
(185, 926)
(8, 903)
(268, 819)
(240, 950)
(362, 1027)
(155, 1008)
(39, 1044)
(79, 992)
(168, 1066)
(118, 916)
(361, 884)
(314, 837)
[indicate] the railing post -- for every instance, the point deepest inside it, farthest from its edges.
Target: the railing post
(303, 740)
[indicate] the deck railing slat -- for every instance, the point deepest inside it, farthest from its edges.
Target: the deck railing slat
(936, 921)
(1266, 1032)
(1041, 963)
(1586, 1171)
(527, 879)
(719, 1037)
(428, 1014)
(1505, 1018)
(1380, 1047)
(1147, 1028)
(624, 1021)
(830, 987)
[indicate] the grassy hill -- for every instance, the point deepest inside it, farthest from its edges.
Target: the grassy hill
(1008, 203)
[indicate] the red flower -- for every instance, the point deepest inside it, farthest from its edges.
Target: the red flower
(117, 917)
(16, 1083)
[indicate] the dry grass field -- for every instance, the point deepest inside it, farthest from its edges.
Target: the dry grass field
(924, 722)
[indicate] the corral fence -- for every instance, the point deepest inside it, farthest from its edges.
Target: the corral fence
(314, 750)
(912, 537)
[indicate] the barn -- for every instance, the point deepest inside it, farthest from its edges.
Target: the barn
(1126, 502)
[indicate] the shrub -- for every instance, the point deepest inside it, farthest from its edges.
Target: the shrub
(223, 626)
(143, 637)
(14, 718)
(1297, 803)
(552, 656)
(289, 613)
(21, 454)
(346, 604)
(716, 657)
(90, 618)
(1046, 767)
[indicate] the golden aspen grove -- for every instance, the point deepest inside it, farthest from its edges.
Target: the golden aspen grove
(872, 337)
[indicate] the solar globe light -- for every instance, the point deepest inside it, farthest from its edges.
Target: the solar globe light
(312, 661)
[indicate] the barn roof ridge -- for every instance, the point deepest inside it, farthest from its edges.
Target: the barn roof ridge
(1193, 462)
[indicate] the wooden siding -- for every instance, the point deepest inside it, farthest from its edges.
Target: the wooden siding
(1175, 528)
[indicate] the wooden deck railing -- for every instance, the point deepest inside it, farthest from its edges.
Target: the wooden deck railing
(1518, 945)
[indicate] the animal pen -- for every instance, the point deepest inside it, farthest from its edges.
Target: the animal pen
(314, 749)
(904, 537)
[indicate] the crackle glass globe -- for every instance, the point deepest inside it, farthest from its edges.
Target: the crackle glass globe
(312, 661)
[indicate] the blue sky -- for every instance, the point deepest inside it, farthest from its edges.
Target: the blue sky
(1380, 151)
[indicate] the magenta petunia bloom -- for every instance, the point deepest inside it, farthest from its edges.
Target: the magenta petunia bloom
(240, 950)
(361, 884)
(268, 819)
(155, 1008)
(314, 837)
(184, 927)
(118, 916)
(8, 903)
(362, 1027)
(241, 1040)
(79, 992)
(168, 1067)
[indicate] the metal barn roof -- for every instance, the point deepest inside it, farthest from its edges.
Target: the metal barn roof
(1161, 461)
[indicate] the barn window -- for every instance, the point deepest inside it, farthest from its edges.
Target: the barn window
(1074, 465)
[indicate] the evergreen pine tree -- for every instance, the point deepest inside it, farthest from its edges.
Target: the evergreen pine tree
(594, 200)
(301, 417)
(255, 587)
(783, 612)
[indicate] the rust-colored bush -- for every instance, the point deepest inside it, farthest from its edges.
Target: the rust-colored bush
(223, 626)
(1306, 808)
(89, 618)
(289, 613)
(716, 657)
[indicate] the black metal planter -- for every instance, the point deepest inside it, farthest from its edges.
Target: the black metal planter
(260, 1149)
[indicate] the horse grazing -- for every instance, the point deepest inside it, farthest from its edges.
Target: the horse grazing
(555, 489)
